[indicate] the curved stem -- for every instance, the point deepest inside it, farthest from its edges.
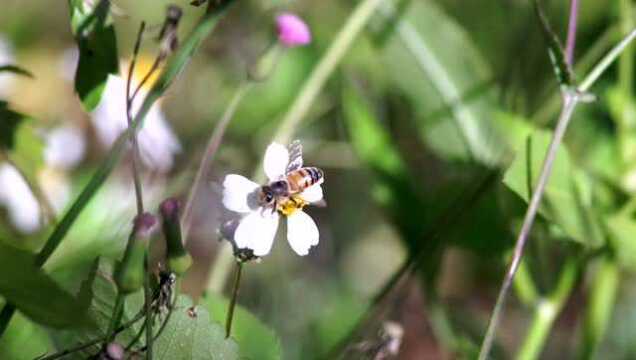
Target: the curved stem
(235, 291)
(569, 104)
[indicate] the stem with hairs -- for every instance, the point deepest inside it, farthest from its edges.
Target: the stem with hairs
(570, 99)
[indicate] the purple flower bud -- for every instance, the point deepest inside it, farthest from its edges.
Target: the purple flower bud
(292, 30)
(115, 351)
(144, 225)
(169, 208)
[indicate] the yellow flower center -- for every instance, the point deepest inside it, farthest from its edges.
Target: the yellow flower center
(290, 205)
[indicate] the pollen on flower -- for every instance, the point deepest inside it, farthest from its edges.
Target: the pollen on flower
(291, 205)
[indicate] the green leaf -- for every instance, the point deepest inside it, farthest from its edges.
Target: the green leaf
(95, 37)
(255, 339)
(21, 331)
(16, 70)
(191, 335)
(433, 61)
(20, 143)
(562, 70)
(35, 293)
(568, 198)
(184, 337)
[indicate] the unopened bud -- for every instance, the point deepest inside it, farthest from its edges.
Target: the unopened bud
(130, 273)
(115, 351)
(292, 30)
(179, 261)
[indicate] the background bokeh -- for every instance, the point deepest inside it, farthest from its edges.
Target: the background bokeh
(416, 131)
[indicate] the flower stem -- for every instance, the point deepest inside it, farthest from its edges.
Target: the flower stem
(210, 150)
(115, 319)
(149, 315)
(328, 63)
(570, 100)
(235, 291)
(569, 104)
(571, 39)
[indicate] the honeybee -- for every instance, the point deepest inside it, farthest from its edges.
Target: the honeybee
(282, 194)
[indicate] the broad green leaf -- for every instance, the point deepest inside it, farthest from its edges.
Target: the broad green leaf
(373, 145)
(185, 336)
(433, 61)
(34, 293)
(97, 293)
(95, 37)
(191, 335)
(255, 339)
(20, 143)
(16, 70)
(568, 198)
(22, 331)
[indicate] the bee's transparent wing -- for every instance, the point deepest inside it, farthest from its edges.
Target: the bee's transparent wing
(295, 156)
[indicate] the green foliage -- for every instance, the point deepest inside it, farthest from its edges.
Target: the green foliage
(433, 61)
(20, 143)
(373, 145)
(97, 43)
(568, 200)
(22, 331)
(191, 335)
(255, 339)
(34, 293)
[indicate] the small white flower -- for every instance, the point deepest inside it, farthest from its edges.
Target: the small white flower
(157, 143)
(257, 227)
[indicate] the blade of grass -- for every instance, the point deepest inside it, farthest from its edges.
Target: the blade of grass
(178, 62)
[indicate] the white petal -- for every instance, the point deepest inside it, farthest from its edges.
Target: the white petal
(239, 193)
(276, 160)
(312, 194)
(256, 231)
(302, 232)
(16, 195)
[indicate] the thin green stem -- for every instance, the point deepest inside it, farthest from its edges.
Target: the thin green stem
(570, 100)
(174, 67)
(600, 306)
(302, 103)
(210, 151)
(96, 341)
(328, 63)
(546, 312)
(115, 319)
(149, 315)
(607, 60)
(235, 291)
(524, 285)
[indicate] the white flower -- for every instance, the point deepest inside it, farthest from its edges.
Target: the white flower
(65, 147)
(22, 207)
(157, 142)
(258, 225)
(6, 58)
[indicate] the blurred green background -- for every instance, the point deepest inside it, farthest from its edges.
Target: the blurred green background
(430, 132)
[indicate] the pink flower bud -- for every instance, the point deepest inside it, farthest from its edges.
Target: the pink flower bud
(292, 30)
(115, 351)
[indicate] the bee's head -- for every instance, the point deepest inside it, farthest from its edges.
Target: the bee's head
(266, 195)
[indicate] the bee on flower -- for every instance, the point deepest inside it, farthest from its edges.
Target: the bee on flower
(290, 188)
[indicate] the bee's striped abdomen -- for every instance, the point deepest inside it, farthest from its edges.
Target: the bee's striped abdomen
(303, 178)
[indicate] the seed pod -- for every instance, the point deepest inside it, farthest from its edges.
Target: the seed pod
(130, 273)
(179, 261)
